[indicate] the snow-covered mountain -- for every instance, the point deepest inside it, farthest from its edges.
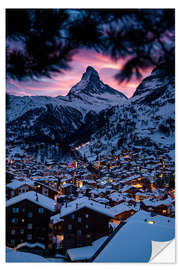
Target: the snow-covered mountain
(89, 94)
(147, 120)
(91, 85)
(96, 119)
(58, 119)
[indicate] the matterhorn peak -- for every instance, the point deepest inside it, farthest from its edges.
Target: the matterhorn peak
(90, 74)
(90, 84)
(91, 69)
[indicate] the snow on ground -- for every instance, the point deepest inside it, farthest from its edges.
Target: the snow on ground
(85, 253)
(133, 242)
(15, 256)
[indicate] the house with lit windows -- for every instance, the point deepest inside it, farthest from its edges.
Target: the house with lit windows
(160, 207)
(84, 222)
(17, 187)
(27, 219)
(68, 189)
(45, 189)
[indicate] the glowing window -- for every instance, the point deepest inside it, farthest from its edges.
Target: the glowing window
(151, 222)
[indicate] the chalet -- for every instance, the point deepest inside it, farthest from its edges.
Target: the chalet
(117, 185)
(116, 198)
(84, 221)
(45, 189)
(56, 224)
(27, 219)
(91, 183)
(140, 196)
(9, 177)
(160, 207)
(101, 200)
(68, 189)
(47, 180)
(17, 187)
(122, 211)
(94, 193)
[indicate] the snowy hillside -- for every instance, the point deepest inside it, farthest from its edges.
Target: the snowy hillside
(146, 120)
(96, 119)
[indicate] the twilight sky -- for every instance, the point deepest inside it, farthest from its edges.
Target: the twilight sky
(62, 83)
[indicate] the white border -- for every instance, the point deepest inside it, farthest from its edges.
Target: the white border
(76, 4)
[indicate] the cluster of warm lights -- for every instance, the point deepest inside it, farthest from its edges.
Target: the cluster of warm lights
(80, 184)
(151, 222)
(164, 165)
(137, 185)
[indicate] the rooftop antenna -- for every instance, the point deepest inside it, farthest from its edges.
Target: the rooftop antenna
(37, 199)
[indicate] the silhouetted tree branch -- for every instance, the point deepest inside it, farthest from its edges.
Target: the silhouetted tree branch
(49, 37)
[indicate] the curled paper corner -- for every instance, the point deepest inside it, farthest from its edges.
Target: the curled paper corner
(163, 252)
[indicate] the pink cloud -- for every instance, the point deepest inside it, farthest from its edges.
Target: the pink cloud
(62, 83)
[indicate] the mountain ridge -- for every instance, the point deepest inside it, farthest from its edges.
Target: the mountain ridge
(147, 120)
(88, 94)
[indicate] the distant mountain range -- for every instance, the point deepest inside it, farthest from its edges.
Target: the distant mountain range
(94, 112)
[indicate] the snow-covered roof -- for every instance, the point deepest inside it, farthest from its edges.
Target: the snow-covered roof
(122, 207)
(101, 200)
(30, 245)
(125, 188)
(43, 201)
(115, 196)
(14, 256)
(130, 178)
(48, 178)
(94, 191)
(133, 241)
(158, 219)
(86, 252)
(66, 185)
(84, 202)
(16, 184)
(56, 218)
(155, 203)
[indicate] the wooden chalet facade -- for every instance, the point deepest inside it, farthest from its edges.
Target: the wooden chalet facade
(19, 187)
(46, 190)
(68, 189)
(161, 209)
(85, 223)
(27, 219)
